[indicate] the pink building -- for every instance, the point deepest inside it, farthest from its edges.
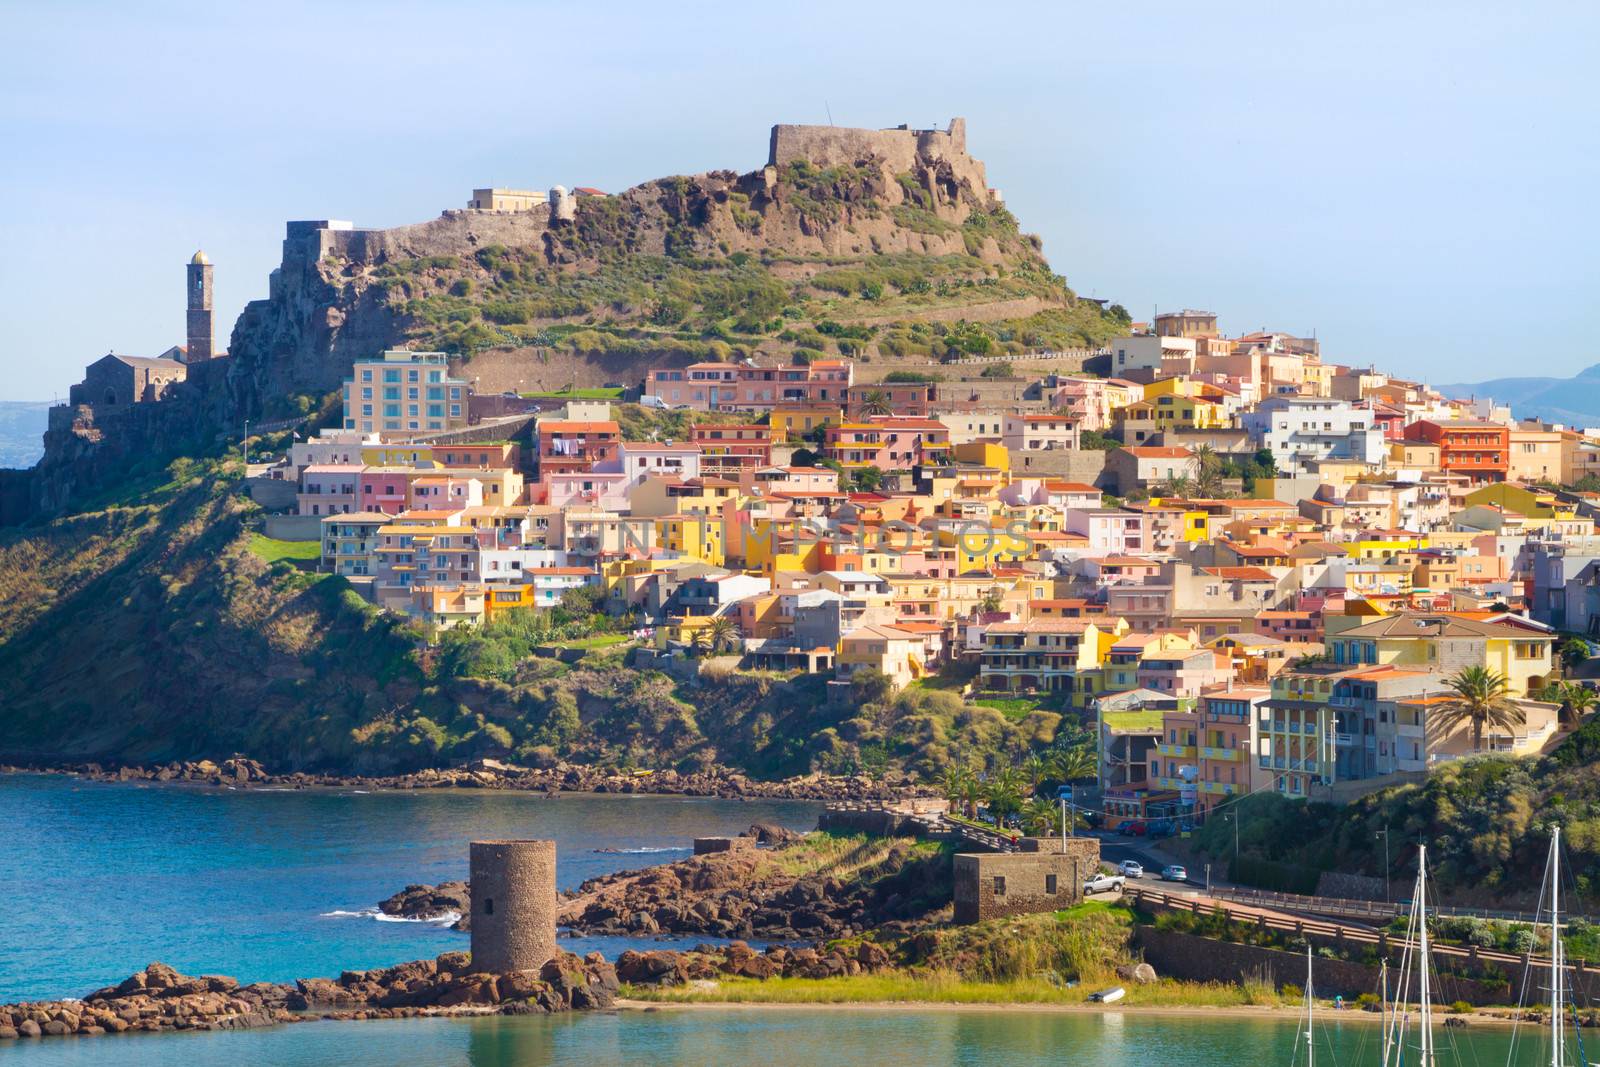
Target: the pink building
(329, 489)
(386, 489)
(606, 490)
(888, 442)
(798, 481)
(731, 386)
(1185, 673)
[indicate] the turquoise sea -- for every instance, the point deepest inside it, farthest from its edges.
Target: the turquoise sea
(272, 886)
(267, 885)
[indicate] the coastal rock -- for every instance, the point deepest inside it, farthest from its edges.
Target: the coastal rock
(1137, 973)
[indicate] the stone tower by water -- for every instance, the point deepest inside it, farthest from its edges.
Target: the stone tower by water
(513, 905)
(201, 337)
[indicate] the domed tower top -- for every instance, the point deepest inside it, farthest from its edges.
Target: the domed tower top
(200, 259)
(201, 345)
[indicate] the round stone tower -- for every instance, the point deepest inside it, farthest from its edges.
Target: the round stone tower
(513, 905)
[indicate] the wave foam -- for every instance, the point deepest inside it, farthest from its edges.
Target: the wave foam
(640, 851)
(444, 919)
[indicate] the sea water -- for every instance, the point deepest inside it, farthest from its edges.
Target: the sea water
(274, 885)
(100, 879)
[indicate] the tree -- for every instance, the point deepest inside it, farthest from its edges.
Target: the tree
(972, 791)
(1482, 699)
(1208, 467)
(1003, 792)
(1178, 486)
(1040, 817)
(955, 784)
(722, 634)
(1580, 700)
(875, 402)
(699, 641)
(1036, 769)
(866, 479)
(1072, 764)
(1574, 650)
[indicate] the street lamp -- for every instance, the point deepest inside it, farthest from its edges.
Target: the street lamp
(1384, 833)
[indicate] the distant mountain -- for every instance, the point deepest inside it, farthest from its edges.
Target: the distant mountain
(22, 424)
(1574, 401)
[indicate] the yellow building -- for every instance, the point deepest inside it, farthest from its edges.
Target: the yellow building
(896, 653)
(800, 421)
(989, 454)
(694, 537)
(1518, 650)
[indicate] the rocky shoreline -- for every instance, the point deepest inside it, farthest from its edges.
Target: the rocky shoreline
(742, 893)
(243, 772)
(158, 998)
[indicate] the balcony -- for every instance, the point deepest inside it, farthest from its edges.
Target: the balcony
(1221, 789)
(1176, 751)
(1208, 752)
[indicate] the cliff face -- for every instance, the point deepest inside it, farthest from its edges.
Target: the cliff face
(886, 244)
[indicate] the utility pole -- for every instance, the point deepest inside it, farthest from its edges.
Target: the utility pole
(244, 447)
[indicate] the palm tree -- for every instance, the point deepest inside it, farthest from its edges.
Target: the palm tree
(1178, 486)
(972, 791)
(1576, 700)
(1481, 698)
(722, 633)
(1208, 471)
(699, 640)
(1004, 794)
(1036, 769)
(1071, 764)
(955, 781)
(1040, 817)
(875, 402)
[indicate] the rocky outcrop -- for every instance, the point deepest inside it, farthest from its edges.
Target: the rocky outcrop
(488, 774)
(159, 998)
(745, 894)
(739, 960)
(424, 902)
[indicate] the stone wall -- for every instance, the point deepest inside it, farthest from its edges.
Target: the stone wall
(902, 149)
(513, 905)
(1192, 958)
(1087, 465)
(1042, 877)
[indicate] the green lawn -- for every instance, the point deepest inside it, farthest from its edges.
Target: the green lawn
(577, 394)
(1133, 720)
(1013, 708)
(597, 641)
(272, 550)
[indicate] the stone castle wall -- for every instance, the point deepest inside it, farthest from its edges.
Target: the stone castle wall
(902, 149)
(513, 905)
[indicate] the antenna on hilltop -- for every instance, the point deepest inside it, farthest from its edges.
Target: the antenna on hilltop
(829, 110)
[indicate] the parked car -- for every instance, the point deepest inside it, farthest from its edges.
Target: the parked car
(1131, 827)
(1103, 883)
(1174, 873)
(1131, 869)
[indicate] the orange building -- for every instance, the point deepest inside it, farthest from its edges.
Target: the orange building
(1479, 450)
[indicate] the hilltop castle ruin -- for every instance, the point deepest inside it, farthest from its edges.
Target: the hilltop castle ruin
(902, 149)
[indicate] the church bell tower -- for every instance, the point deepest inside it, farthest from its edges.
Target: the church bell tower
(200, 333)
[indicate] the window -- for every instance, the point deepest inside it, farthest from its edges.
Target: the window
(488, 905)
(1050, 884)
(999, 885)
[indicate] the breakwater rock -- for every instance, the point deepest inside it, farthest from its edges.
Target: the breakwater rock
(744, 893)
(159, 998)
(240, 771)
(709, 962)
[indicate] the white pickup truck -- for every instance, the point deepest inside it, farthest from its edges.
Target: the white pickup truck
(1103, 883)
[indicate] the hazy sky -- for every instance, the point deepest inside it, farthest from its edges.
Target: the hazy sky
(1415, 182)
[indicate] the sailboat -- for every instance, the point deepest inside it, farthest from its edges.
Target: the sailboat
(1413, 959)
(1558, 965)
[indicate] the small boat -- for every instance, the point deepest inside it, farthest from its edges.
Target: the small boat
(1108, 996)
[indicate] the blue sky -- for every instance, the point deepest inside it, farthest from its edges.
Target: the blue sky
(1413, 181)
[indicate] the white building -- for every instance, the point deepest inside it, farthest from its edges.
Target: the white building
(1301, 430)
(1028, 432)
(1165, 356)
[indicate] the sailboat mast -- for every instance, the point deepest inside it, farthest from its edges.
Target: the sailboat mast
(1311, 1044)
(1557, 1031)
(1422, 957)
(1383, 1006)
